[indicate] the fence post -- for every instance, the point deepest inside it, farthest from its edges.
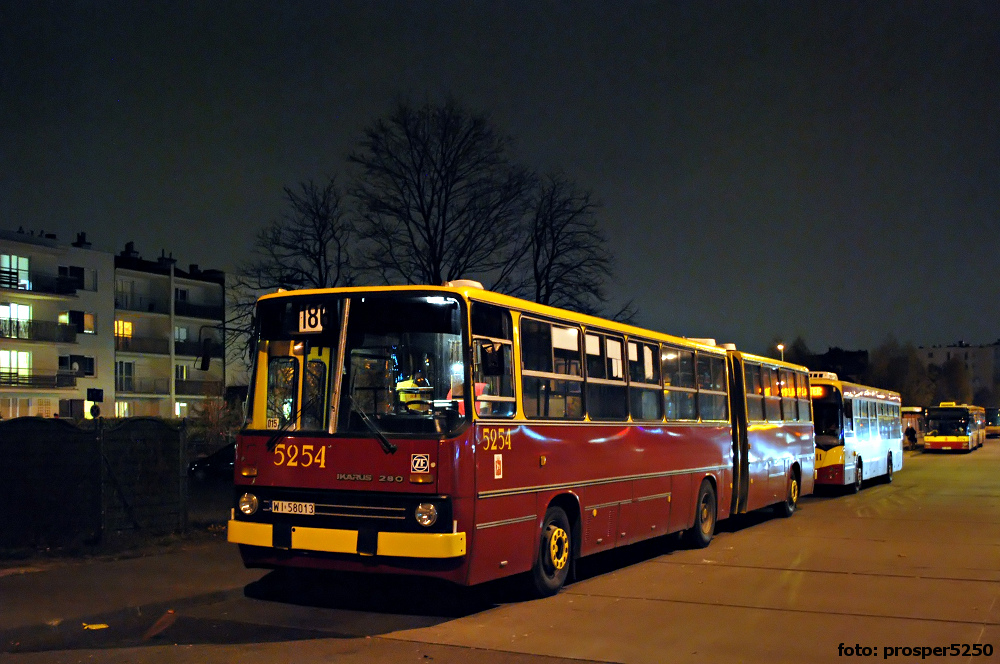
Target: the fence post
(182, 476)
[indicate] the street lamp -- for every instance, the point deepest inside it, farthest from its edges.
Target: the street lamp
(781, 348)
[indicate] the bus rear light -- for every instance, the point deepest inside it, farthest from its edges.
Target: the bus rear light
(421, 478)
(248, 471)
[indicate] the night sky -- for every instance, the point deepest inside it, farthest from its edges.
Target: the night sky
(766, 169)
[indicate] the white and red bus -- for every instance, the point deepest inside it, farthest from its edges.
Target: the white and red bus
(462, 434)
(955, 426)
(859, 434)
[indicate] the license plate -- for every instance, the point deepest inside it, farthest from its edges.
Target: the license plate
(288, 507)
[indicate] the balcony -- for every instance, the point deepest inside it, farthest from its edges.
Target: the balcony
(207, 388)
(39, 282)
(207, 311)
(195, 349)
(37, 330)
(36, 379)
(142, 345)
(129, 302)
(130, 384)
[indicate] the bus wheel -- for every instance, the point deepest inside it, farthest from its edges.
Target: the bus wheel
(888, 469)
(858, 474)
(786, 508)
(700, 535)
(554, 551)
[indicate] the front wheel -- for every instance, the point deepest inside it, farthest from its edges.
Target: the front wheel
(787, 507)
(700, 535)
(858, 474)
(551, 566)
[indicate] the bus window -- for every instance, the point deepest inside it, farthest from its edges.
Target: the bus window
(644, 382)
(282, 385)
(713, 401)
(551, 377)
(772, 394)
(678, 381)
(789, 405)
(492, 362)
(314, 391)
(606, 397)
(755, 392)
(802, 393)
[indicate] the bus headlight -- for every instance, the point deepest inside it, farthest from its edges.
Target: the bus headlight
(427, 514)
(248, 503)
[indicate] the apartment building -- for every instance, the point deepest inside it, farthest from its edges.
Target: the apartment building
(167, 322)
(56, 326)
(86, 332)
(982, 362)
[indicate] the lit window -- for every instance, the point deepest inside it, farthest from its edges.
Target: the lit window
(181, 409)
(123, 328)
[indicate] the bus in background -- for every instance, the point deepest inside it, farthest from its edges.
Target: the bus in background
(913, 418)
(859, 433)
(954, 426)
(992, 422)
(466, 435)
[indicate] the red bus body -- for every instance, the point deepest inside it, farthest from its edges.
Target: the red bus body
(618, 482)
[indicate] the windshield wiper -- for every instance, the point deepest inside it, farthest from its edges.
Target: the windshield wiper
(387, 446)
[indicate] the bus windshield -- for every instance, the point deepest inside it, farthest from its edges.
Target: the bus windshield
(403, 364)
(404, 367)
(827, 422)
(947, 423)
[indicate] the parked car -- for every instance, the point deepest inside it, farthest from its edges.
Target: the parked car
(217, 465)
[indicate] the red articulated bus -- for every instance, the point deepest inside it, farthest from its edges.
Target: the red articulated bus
(462, 434)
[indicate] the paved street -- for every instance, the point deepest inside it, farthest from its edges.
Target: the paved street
(912, 563)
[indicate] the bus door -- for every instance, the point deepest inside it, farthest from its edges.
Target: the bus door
(738, 411)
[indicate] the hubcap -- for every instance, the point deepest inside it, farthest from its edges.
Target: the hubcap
(558, 547)
(795, 492)
(706, 515)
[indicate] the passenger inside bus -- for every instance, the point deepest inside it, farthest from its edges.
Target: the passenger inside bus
(415, 390)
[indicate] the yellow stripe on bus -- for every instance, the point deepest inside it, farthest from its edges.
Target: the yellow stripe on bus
(331, 540)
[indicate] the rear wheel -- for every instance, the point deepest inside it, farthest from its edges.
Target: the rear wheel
(700, 535)
(787, 507)
(888, 469)
(858, 474)
(554, 552)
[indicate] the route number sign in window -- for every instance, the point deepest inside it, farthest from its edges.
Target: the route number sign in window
(311, 319)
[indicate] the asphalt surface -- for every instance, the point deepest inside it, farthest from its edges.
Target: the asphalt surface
(911, 564)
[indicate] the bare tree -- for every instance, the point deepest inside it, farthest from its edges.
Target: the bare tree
(567, 264)
(306, 247)
(438, 197)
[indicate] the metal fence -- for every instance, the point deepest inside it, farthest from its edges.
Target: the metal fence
(68, 485)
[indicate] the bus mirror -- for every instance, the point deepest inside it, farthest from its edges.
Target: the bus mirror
(492, 360)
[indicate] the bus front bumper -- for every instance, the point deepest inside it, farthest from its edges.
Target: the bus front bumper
(328, 540)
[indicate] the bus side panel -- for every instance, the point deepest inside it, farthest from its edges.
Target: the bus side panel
(502, 539)
(605, 468)
(775, 449)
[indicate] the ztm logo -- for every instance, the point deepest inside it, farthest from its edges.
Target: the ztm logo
(420, 463)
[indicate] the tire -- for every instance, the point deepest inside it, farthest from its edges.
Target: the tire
(787, 507)
(700, 535)
(555, 552)
(888, 469)
(858, 475)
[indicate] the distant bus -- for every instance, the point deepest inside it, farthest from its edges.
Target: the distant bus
(914, 416)
(955, 426)
(993, 422)
(859, 433)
